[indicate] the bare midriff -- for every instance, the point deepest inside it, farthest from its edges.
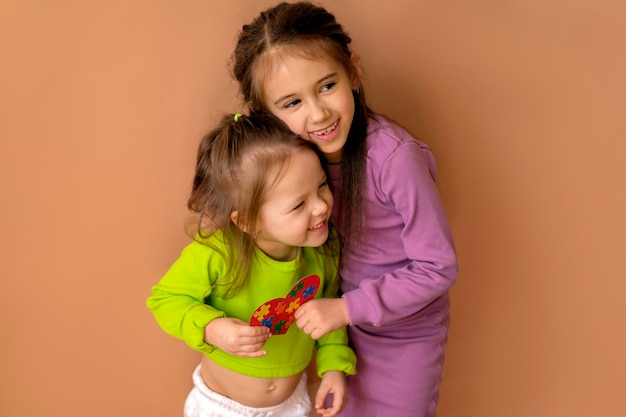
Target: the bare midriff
(248, 390)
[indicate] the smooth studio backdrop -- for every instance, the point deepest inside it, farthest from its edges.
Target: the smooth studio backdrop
(102, 104)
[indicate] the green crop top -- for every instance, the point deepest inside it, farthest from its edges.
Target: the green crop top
(185, 301)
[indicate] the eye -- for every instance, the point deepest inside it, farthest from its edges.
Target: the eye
(292, 103)
(328, 86)
(324, 184)
(298, 206)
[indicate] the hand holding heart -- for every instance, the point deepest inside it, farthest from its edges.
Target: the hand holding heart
(237, 337)
(315, 317)
(278, 314)
(321, 316)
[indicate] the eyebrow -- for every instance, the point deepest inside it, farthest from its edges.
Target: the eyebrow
(321, 80)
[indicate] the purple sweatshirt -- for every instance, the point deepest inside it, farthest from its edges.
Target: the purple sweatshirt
(407, 260)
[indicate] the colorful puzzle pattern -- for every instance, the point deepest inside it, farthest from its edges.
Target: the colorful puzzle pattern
(278, 314)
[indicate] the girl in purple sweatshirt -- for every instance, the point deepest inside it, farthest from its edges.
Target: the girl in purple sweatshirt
(398, 257)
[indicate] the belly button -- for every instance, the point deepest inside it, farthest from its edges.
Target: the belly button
(272, 387)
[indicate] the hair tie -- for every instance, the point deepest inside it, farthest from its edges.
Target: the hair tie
(237, 116)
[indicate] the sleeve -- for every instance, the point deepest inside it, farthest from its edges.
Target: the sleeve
(177, 301)
(333, 350)
(426, 239)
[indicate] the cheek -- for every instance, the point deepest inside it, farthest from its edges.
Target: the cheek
(294, 124)
(296, 127)
(349, 105)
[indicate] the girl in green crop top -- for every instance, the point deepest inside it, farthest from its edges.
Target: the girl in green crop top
(262, 246)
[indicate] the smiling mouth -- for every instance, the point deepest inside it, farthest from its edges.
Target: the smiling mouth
(327, 130)
(318, 226)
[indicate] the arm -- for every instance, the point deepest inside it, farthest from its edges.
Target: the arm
(177, 303)
(405, 182)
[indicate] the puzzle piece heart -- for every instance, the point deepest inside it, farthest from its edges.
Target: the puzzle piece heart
(277, 314)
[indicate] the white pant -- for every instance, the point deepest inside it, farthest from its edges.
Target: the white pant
(204, 402)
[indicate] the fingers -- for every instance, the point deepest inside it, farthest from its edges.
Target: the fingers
(331, 407)
(331, 396)
(254, 334)
(305, 326)
(323, 399)
(326, 402)
(237, 337)
(247, 350)
(321, 316)
(305, 319)
(256, 354)
(328, 405)
(250, 342)
(311, 328)
(302, 310)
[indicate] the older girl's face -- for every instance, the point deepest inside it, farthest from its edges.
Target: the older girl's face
(296, 208)
(313, 96)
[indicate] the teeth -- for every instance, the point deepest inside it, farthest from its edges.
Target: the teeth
(317, 226)
(327, 130)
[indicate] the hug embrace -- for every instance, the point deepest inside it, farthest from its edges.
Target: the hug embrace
(319, 241)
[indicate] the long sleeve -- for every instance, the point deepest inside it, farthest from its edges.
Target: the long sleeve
(193, 292)
(177, 301)
(407, 259)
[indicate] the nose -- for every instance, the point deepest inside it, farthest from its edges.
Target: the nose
(317, 111)
(320, 207)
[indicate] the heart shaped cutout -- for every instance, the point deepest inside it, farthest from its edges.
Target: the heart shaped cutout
(278, 314)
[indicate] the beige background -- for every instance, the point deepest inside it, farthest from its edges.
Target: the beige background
(102, 105)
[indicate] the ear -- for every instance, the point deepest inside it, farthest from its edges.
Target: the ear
(240, 221)
(356, 78)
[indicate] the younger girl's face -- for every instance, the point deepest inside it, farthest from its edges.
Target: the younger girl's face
(313, 96)
(297, 208)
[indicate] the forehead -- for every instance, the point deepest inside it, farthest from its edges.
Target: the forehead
(276, 60)
(302, 168)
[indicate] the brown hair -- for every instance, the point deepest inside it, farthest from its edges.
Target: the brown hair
(236, 162)
(306, 29)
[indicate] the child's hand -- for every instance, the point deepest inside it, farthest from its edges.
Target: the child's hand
(237, 337)
(321, 316)
(333, 382)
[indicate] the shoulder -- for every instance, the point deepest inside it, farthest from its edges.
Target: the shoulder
(390, 144)
(386, 135)
(216, 238)
(203, 249)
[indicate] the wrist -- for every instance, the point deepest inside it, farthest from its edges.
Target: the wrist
(344, 312)
(209, 331)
